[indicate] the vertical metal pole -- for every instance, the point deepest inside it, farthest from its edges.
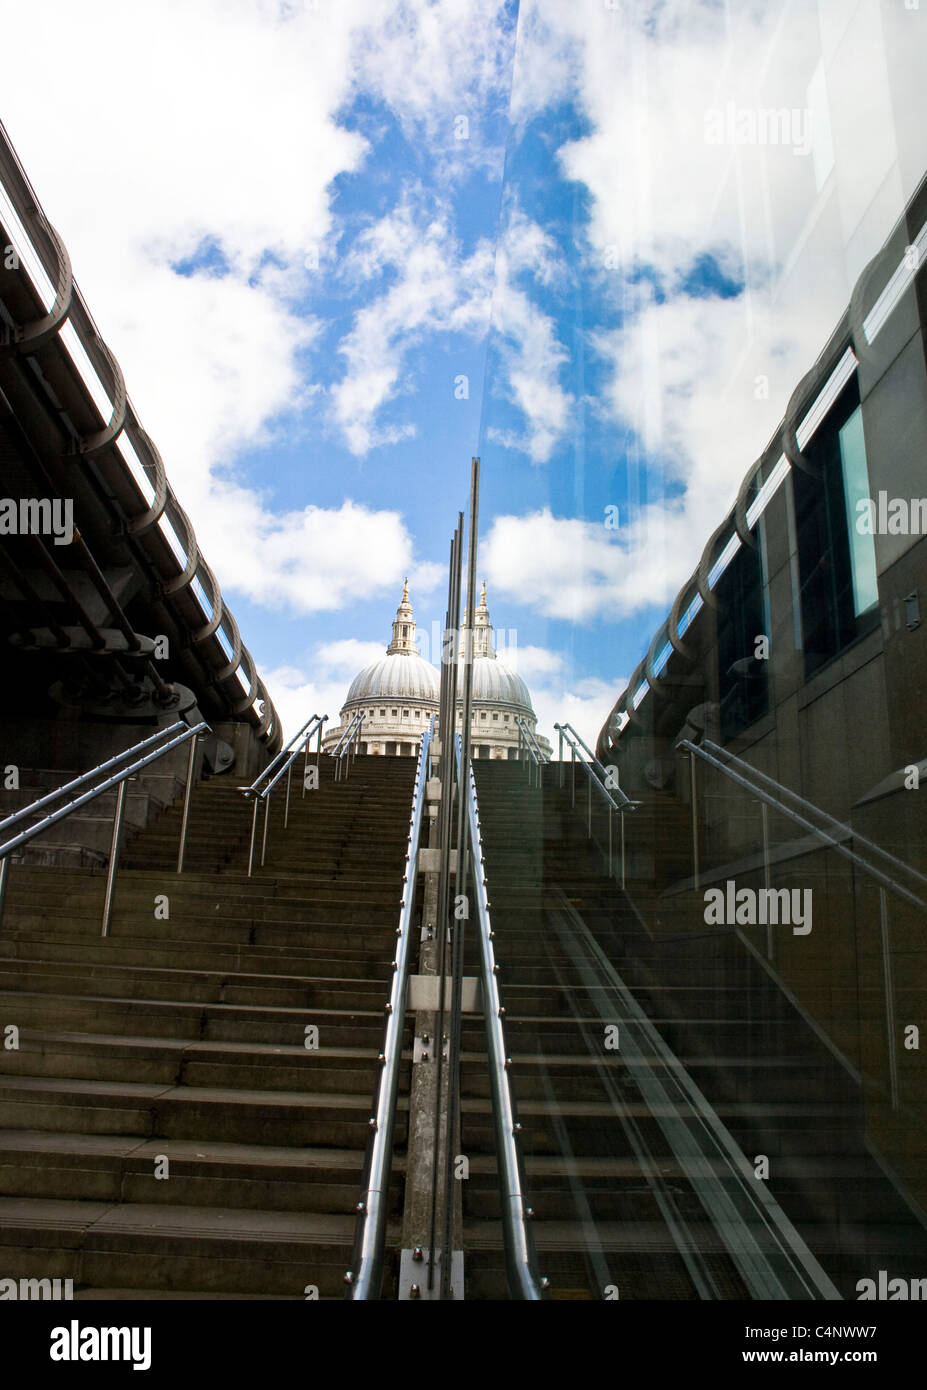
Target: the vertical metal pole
(560, 758)
(306, 758)
(692, 795)
(254, 816)
(318, 745)
(889, 985)
(589, 808)
(460, 887)
(770, 938)
(572, 776)
(188, 792)
(286, 804)
(114, 857)
(266, 819)
(622, 851)
(448, 724)
(4, 875)
(610, 814)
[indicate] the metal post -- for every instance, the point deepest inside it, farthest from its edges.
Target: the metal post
(692, 795)
(610, 813)
(770, 939)
(114, 857)
(286, 804)
(589, 809)
(254, 816)
(4, 875)
(889, 985)
(572, 776)
(622, 851)
(188, 792)
(306, 758)
(460, 887)
(560, 758)
(266, 820)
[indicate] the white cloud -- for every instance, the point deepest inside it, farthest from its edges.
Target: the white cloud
(702, 381)
(191, 124)
(437, 290)
(530, 351)
(586, 705)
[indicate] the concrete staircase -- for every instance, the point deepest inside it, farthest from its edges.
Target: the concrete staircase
(185, 1039)
(777, 1089)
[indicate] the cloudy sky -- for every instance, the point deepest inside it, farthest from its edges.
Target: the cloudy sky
(340, 246)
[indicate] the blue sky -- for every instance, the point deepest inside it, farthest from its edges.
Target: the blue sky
(312, 222)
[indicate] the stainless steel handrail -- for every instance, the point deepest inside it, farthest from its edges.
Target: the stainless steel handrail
(527, 740)
(295, 742)
(786, 792)
(886, 883)
(828, 839)
(87, 776)
(365, 1282)
(569, 735)
(524, 1281)
(299, 743)
(119, 780)
(346, 747)
(574, 742)
(599, 767)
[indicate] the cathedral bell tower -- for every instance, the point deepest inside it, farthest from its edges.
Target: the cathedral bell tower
(403, 627)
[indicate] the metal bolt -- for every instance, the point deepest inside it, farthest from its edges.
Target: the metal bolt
(382, 1058)
(414, 1291)
(361, 1207)
(418, 1253)
(426, 1038)
(495, 970)
(544, 1282)
(516, 1128)
(502, 1013)
(349, 1278)
(372, 1122)
(529, 1213)
(388, 1009)
(508, 1061)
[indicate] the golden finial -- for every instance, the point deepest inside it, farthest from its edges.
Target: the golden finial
(483, 595)
(405, 590)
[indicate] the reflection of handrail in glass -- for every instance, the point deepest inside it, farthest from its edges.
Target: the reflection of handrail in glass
(886, 883)
(524, 1281)
(789, 795)
(779, 805)
(365, 1280)
(770, 1255)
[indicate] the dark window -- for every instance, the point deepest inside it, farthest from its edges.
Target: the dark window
(743, 687)
(839, 592)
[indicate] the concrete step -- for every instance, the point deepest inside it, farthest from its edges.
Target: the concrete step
(211, 1249)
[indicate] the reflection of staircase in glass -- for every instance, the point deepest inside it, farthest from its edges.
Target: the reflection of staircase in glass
(186, 1038)
(642, 1159)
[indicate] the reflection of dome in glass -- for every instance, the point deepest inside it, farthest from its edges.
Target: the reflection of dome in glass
(495, 684)
(402, 675)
